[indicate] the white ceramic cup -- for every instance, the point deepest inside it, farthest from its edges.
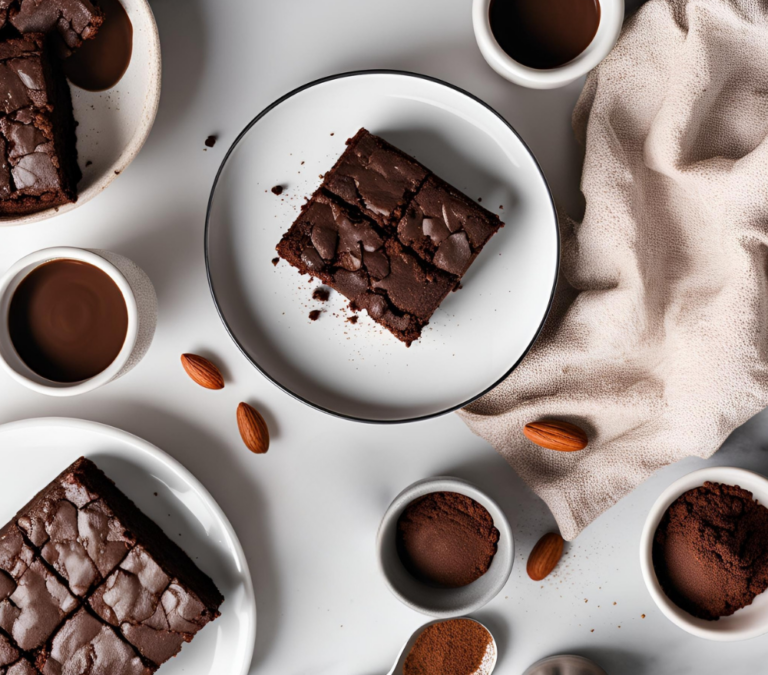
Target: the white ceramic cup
(443, 603)
(745, 623)
(140, 302)
(608, 30)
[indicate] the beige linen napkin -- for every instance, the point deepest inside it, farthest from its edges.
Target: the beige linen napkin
(658, 341)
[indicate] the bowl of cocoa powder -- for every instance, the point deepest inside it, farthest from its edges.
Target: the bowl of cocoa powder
(704, 553)
(445, 548)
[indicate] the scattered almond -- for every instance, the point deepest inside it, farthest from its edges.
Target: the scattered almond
(253, 429)
(545, 556)
(556, 435)
(202, 371)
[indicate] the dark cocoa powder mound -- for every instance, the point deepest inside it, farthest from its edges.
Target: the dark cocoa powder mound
(710, 551)
(454, 647)
(446, 539)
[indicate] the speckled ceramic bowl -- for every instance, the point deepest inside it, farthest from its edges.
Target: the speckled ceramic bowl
(749, 622)
(444, 603)
(140, 302)
(113, 124)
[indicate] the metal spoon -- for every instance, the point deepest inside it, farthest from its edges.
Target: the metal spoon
(398, 668)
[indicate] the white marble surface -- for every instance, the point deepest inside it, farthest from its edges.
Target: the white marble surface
(307, 512)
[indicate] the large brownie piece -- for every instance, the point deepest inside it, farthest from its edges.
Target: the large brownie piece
(89, 585)
(38, 154)
(33, 602)
(347, 251)
(445, 227)
(375, 177)
(72, 20)
(87, 646)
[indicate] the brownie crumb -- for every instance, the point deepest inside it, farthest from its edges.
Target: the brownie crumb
(321, 293)
(275, 261)
(314, 315)
(210, 141)
(277, 190)
(88, 163)
(352, 319)
(479, 199)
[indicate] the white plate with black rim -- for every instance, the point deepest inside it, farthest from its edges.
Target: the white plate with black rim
(35, 451)
(360, 371)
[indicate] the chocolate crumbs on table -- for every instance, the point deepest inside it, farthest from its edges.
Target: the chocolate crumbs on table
(314, 315)
(210, 141)
(321, 294)
(277, 190)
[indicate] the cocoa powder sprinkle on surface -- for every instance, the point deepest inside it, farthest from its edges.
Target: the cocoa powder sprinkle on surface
(453, 647)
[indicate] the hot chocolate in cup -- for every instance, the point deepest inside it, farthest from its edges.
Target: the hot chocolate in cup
(74, 319)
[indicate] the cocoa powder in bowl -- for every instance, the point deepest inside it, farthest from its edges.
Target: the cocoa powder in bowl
(710, 550)
(446, 539)
(453, 647)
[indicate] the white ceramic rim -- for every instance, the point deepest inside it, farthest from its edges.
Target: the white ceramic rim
(445, 484)
(718, 474)
(133, 147)
(25, 375)
(256, 364)
(180, 470)
(608, 30)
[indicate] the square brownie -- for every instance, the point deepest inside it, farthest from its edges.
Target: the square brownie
(87, 646)
(348, 252)
(375, 177)
(445, 227)
(33, 602)
(38, 154)
(12, 662)
(154, 610)
(71, 20)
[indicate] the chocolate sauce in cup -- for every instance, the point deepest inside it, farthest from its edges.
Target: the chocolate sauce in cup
(68, 320)
(73, 320)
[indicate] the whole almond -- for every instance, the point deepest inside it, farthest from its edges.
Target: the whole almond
(545, 556)
(556, 435)
(253, 429)
(202, 371)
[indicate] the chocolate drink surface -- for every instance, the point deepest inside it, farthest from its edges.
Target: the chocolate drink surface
(544, 33)
(68, 320)
(101, 62)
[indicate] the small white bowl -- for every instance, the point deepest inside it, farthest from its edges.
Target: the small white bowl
(608, 30)
(140, 301)
(114, 124)
(749, 622)
(443, 603)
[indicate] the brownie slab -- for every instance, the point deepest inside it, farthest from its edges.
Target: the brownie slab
(33, 602)
(38, 154)
(348, 252)
(87, 646)
(445, 227)
(72, 20)
(375, 177)
(89, 585)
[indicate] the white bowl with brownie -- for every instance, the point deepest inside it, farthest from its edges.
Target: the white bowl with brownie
(544, 44)
(74, 319)
(85, 105)
(445, 548)
(704, 553)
